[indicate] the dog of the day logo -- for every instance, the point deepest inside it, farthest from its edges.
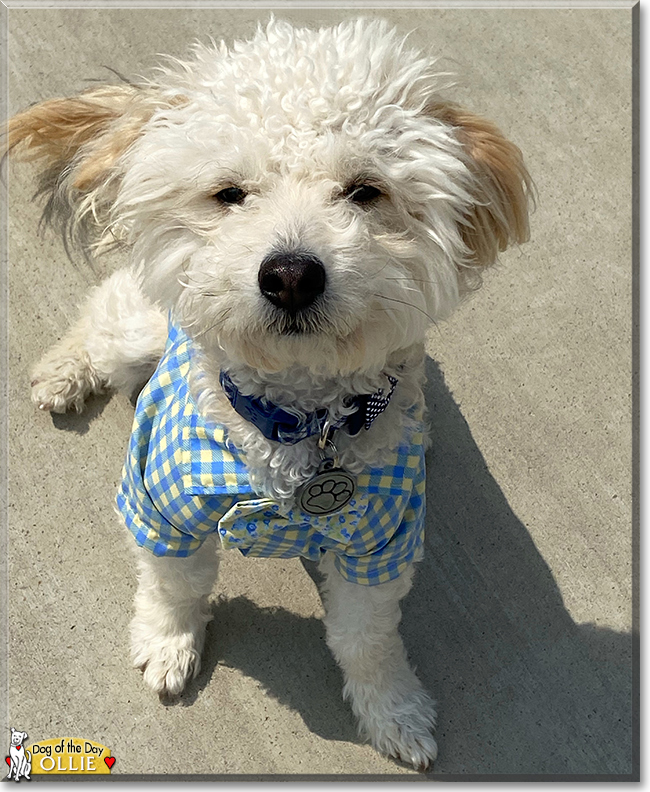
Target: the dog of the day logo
(58, 756)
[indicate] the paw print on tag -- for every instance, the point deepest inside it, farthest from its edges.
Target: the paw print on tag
(327, 492)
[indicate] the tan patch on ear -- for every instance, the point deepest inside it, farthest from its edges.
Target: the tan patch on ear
(503, 184)
(100, 156)
(56, 128)
(103, 122)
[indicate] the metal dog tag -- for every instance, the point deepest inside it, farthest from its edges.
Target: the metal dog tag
(331, 489)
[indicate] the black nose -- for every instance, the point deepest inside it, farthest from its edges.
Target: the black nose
(291, 280)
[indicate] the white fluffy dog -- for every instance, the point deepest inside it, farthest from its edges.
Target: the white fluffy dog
(297, 210)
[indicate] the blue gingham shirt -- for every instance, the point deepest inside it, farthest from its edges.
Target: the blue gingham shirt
(183, 479)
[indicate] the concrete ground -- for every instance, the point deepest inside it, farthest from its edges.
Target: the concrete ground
(520, 620)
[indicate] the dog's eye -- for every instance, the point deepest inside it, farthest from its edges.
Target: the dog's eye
(231, 195)
(362, 193)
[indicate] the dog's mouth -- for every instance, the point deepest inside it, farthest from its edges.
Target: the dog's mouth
(307, 322)
(293, 328)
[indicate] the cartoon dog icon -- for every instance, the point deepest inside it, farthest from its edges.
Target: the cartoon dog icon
(21, 760)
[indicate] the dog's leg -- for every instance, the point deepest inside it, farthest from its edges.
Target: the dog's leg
(394, 710)
(116, 343)
(171, 611)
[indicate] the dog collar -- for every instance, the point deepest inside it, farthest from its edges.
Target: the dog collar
(285, 427)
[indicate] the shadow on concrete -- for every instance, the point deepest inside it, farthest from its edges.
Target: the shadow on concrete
(287, 654)
(521, 688)
(79, 423)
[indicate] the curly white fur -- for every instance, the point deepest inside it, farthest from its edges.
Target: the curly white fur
(294, 118)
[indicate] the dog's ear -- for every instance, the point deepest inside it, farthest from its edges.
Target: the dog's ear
(84, 135)
(79, 143)
(502, 186)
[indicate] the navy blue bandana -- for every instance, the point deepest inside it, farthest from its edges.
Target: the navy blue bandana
(282, 426)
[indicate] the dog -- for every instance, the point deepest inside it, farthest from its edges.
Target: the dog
(21, 760)
(297, 209)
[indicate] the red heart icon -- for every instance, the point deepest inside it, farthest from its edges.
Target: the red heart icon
(8, 760)
(110, 761)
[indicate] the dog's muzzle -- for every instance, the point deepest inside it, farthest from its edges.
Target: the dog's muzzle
(291, 280)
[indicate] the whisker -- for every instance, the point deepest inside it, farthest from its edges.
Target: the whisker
(410, 288)
(408, 305)
(379, 271)
(223, 316)
(407, 277)
(215, 294)
(203, 292)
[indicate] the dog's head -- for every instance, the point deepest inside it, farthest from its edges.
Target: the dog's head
(17, 737)
(306, 197)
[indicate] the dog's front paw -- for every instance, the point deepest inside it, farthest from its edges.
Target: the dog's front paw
(168, 663)
(398, 725)
(63, 382)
